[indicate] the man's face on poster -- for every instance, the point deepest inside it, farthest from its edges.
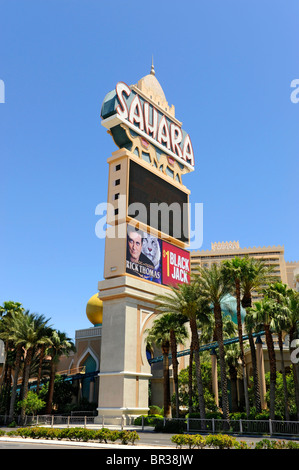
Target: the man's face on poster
(135, 246)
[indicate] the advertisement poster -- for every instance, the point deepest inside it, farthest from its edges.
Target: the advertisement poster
(155, 260)
(175, 265)
(143, 255)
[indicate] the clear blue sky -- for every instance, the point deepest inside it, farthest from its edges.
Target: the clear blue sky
(226, 65)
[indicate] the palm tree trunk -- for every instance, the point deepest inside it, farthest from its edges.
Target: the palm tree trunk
(39, 374)
(283, 371)
(166, 384)
(190, 378)
(7, 388)
(247, 303)
(256, 382)
(295, 371)
(195, 343)
(27, 365)
(234, 391)
(240, 333)
(272, 361)
(15, 382)
(51, 388)
(173, 345)
(219, 333)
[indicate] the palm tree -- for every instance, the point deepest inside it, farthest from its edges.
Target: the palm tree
(28, 328)
(178, 334)
(215, 287)
(45, 334)
(166, 332)
(60, 345)
(250, 327)
(185, 299)
(9, 324)
(10, 307)
(190, 381)
(263, 313)
(256, 274)
(232, 270)
(280, 292)
(292, 330)
(6, 311)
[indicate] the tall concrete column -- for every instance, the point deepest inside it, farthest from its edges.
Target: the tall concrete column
(261, 371)
(214, 376)
(128, 310)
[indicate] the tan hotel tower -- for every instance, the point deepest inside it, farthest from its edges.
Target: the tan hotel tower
(143, 253)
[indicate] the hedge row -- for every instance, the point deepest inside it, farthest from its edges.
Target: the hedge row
(77, 434)
(223, 441)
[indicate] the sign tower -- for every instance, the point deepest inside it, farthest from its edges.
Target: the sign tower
(146, 238)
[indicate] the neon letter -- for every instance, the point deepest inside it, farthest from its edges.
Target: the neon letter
(163, 132)
(136, 117)
(122, 109)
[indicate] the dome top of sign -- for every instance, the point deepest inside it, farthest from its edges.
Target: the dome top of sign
(150, 86)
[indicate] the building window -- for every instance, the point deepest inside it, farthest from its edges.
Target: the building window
(116, 196)
(116, 182)
(118, 167)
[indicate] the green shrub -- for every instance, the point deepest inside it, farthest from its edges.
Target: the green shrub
(199, 441)
(49, 433)
(134, 436)
(102, 435)
(111, 435)
(292, 445)
(13, 424)
(220, 441)
(190, 440)
(238, 415)
(171, 426)
(155, 410)
(159, 426)
(272, 444)
(179, 440)
(214, 414)
(128, 436)
(193, 415)
(195, 441)
(264, 444)
(2, 432)
(75, 434)
(147, 420)
(242, 445)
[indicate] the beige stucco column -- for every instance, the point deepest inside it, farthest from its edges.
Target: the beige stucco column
(214, 376)
(261, 371)
(128, 310)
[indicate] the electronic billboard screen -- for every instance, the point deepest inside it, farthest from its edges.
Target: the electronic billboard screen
(157, 203)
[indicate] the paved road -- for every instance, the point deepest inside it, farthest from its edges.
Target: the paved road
(147, 438)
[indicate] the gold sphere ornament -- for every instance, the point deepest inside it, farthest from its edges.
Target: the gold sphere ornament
(94, 310)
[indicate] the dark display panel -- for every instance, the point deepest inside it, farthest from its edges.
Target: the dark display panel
(164, 207)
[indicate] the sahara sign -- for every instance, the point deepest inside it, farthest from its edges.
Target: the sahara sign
(124, 105)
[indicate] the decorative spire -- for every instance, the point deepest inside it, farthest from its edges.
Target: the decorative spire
(153, 68)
